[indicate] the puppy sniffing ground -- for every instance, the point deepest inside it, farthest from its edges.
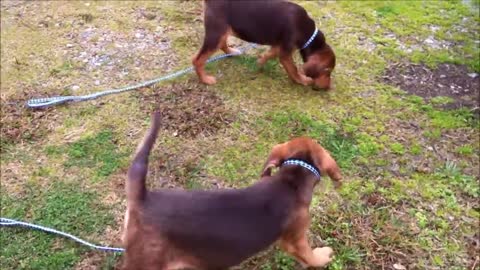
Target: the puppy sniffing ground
(283, 25)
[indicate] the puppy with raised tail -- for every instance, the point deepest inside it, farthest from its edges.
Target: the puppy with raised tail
(178, 229)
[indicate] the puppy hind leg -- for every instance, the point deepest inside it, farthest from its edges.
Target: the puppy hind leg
(215, 32)
(224, 46)
(199, 64)
(270, 54)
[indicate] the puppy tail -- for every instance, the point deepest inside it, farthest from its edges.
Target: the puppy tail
(137, 172)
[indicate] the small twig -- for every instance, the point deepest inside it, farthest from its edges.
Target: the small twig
(400, 253)
(375, 242)
(475, 263)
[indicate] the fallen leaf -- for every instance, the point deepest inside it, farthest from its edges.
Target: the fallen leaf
(399, 267)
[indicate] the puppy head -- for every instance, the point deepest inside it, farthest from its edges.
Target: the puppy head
(319, 66)
(306, 149)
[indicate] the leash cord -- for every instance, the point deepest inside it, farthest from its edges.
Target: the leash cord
(45, 102)
(11, 222)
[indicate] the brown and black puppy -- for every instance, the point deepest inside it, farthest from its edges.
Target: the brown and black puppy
(177, 229)
(283, 25)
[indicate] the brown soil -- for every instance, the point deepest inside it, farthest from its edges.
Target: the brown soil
(187, 109)
(447, 80)
(374, 199)
(179, 168)
(473, 244)
(90, 261)
(20, 123)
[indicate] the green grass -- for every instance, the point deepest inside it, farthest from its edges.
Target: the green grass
(449, 119)
(63, 206)
(410, 23)
(410, 193)
(397, 148)
(466, 183)
(278, 126)
(98, 152)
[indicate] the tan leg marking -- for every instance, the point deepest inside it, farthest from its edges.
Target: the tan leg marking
(125, 224)
(199, 64)
(200, 59)
(224, 45)
(292, 71)
(294, 241)
(272, 53)
(302, 251)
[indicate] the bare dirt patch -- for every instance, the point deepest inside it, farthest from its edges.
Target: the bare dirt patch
(374, 199)
(19, 123)
(187, 109)
(179, 168)
(448, 80)
(91, 260)
(473, 244)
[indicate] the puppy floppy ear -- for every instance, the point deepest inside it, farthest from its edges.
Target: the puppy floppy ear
(277, 156)
(311, 68)
(327, 165)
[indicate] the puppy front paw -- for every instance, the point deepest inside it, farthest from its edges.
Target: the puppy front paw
(261, 61)
(304, 80)
(210, 80)
(323, 256)
(323, 251)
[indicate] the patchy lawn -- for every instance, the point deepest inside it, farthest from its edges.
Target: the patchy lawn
(402, 122)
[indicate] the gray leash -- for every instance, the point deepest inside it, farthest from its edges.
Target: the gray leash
(45, 102)
(11, 222)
